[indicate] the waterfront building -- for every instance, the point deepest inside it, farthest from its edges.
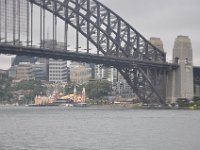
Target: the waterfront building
(25, 71)
(92, 66)
(57, 70)
(110, 74)
(45, 62)
(98, 72)
(40, 71)
(43, 100)
(80, 73)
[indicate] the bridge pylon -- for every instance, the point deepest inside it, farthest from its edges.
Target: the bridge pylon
(180, 80)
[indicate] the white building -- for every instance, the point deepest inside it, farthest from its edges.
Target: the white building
(109, 74)
(57, 70)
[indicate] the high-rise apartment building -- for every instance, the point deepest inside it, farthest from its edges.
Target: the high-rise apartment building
(40, 71)
(109, 74)
(80, 73)
(25, 71)
(57, 70)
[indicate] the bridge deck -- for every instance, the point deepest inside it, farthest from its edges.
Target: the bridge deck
(84, 57)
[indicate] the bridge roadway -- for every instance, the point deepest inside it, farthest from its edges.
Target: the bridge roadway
(81, 57)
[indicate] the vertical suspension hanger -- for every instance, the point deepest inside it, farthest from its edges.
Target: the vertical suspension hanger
(5, 21)
(66, 26)
(28, 23)
(14, 20)
(98, 31)
(53, 24)
(77, 24)
(19, 22)
(31, 24)
(43, 24)
(88, 25)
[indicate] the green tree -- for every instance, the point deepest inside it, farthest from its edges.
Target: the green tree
(32, 89)
(98, 89)
(5, 90)
(69, 88)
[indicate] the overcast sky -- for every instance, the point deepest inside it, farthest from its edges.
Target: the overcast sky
(157, 18)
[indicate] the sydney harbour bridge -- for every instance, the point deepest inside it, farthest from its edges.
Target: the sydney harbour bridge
(114, 42)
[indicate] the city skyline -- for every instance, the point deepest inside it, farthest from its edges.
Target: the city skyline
(156, 19)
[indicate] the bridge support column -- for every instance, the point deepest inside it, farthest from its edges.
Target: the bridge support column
(180, 81)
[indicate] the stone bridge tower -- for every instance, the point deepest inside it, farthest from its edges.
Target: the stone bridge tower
(180, 81)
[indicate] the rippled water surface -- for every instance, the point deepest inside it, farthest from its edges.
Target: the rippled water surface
(25, 128)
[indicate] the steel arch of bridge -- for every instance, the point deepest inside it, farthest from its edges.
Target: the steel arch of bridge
(104, 28)
(118, 44)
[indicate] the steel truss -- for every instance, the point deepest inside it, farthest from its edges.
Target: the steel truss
(114, 39)
(149, 83)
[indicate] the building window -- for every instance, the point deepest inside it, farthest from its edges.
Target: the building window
(177, 60)
(186, 61)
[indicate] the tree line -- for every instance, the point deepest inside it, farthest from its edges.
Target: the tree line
(10, 92)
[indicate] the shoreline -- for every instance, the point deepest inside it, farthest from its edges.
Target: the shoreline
(111, 106)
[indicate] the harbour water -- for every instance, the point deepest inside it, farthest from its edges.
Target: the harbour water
(59, 128)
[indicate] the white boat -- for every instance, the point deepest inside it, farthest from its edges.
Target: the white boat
(80, 105)
(69, 105)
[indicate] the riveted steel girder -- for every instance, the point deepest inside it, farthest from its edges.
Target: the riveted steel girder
(149, 83)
